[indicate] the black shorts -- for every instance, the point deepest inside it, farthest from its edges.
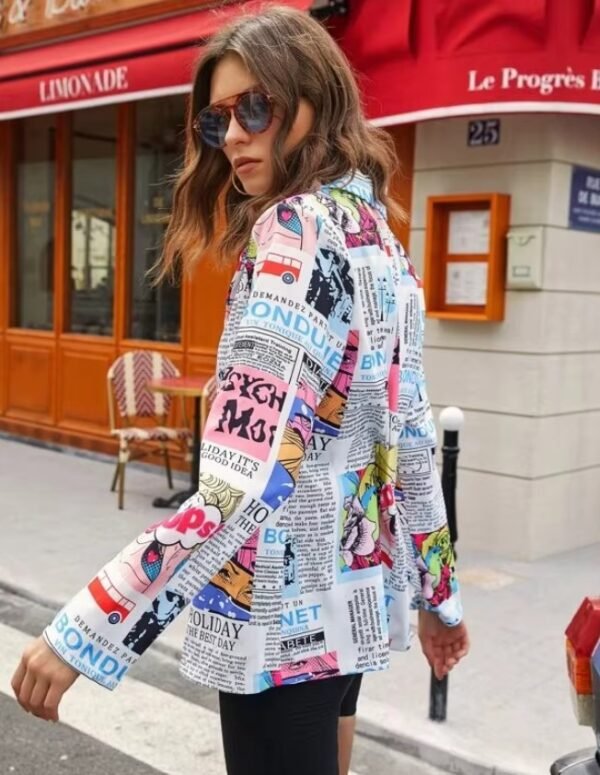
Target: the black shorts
(289, 730)
(348, 707)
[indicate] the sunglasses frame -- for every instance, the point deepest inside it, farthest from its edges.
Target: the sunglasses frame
(229, 106)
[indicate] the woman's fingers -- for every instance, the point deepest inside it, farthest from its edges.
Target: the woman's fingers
(18, 677)
(448, 656)
(428, 653)
(38, 695)
(443, 646)
(25, 691)
(440, 669)
(52, 701)
(41, 679)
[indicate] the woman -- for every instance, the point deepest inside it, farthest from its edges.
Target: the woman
(319, 519)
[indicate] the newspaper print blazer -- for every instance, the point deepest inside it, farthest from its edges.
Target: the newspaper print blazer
(319, 520)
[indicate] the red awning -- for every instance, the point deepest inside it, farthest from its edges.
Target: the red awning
(126, 64)
(421, 59)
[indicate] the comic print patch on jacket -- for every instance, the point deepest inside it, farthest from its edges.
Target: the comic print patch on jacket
(319, 520)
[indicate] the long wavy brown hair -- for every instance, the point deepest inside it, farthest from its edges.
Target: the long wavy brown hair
(292, 56)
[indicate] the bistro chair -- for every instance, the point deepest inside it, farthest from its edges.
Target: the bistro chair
(129, 394)
(208, 396)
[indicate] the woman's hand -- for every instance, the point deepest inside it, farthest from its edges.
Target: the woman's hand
(442, 646)
(41, 679)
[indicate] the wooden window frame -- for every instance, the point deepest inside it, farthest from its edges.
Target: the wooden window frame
(126, 165)
(7, 223)
(437, 256)
(64, 197)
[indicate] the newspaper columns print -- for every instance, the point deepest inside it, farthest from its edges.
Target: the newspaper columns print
(283, 356)
(418, 478)
(319, 518)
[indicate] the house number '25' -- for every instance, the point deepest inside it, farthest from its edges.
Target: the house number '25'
(484, 132)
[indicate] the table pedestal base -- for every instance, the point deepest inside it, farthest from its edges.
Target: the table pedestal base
(175, 500)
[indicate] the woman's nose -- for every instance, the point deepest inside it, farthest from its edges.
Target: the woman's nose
(235, 132)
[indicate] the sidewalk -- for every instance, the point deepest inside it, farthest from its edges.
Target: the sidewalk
(509, 711)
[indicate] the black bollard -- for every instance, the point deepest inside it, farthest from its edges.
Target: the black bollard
(450, 452)
(438, 697)
(451, 420)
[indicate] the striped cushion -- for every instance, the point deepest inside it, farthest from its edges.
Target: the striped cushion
(130, 375)
(159, 433)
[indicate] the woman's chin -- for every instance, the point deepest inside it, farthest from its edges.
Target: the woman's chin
(254, 186)
(255, 190)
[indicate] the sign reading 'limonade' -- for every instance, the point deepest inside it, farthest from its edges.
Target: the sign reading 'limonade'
(85, 84)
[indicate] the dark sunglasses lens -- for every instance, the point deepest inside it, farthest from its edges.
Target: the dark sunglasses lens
(253, 111)
(211, 125)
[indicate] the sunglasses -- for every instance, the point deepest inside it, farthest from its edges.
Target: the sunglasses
(253, 110)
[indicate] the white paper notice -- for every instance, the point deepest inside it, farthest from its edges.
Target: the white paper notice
(466, 282)
(469, 232)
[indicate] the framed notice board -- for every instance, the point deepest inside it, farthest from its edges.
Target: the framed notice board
(465, 256)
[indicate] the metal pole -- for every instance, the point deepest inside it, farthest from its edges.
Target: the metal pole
(450, 452)
(438, 698)
(451, 420)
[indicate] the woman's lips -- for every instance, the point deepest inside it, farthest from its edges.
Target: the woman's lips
(246, 167)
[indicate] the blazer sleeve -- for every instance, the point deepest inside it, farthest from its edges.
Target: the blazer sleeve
(285, 351)
(421, 497)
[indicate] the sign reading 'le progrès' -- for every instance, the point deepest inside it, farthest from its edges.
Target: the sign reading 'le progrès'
(544, 84)
(84, 84)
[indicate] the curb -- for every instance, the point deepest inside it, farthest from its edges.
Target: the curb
(448, 761)
(417, 746)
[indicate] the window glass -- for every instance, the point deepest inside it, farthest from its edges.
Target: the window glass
(154, 312)
(93, 233)
(36, 142)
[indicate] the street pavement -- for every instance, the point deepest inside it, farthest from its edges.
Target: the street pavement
(509, 711)
(156, 722)
(31, 747)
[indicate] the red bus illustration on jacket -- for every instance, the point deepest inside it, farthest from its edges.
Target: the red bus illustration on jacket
(281, 266)
(109, 599)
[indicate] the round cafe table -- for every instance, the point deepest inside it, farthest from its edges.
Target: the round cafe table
(187, 387)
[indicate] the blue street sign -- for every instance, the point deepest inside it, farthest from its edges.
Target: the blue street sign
(584, 204)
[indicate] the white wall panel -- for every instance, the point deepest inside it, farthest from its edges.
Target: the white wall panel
(569, 383)
(494, 514)
(497, 443)
(520, 331)
(484, 381)
(575, 139)
(571, 260)
(527, 183)
(530, 384)
(443, 143)
(566, 442)
(534, 323)
(565, 513)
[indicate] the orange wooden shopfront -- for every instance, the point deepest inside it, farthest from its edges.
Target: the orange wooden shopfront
(84, 198)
